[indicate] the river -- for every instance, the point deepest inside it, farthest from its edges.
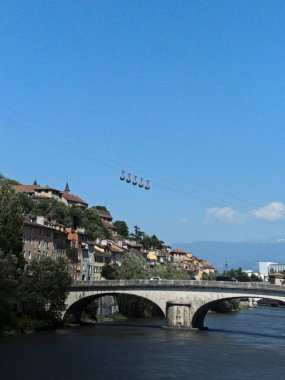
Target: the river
(245, 345)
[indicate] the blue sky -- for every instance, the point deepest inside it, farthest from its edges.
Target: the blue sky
(189, 94)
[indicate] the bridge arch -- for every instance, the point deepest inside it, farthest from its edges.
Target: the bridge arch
(75, 308)
(199, 315)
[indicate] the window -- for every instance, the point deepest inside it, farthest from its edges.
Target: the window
(30, 255)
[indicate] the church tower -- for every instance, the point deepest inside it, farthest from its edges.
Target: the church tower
(67, 187)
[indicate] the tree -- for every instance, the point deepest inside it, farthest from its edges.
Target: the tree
(110, 272)
(94, 225)
(122, 228)
(101, 208)
(137, 234)
(170, 272)
(44, 288)
(134, 266)
(152, 242)
(9, 284)
(8, 181)
(11, 223)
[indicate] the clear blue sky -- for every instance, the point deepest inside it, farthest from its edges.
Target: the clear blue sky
(189, 94)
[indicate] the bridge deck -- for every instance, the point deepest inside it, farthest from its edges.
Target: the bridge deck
(186, 284)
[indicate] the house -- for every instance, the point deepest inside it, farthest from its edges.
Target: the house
(77, 253)
(107, 220)
(42, 192)
(133, 245)
(177, 255)
(43, 239)
(102, 257)
(117, 253)
(151, 258)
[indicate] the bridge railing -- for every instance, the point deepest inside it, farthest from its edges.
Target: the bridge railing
(177, 284)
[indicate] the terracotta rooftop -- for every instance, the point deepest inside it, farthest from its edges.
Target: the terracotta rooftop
(179, 251)
(109, 225)
(26, 188)
(114, 248)
(104, 214)
(73, 198)
(207, 265)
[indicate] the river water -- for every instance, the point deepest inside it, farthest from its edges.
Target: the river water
(245, 345)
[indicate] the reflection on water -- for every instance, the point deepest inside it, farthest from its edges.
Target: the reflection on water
(245, 345)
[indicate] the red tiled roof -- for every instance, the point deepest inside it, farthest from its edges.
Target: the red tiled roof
(46, 188)
(73, 198)
(104, 214)
(179, 251)
(109, 225)
(26, 188)
(115, 248)
(207, 265)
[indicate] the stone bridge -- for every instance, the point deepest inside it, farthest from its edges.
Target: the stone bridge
(184, 303)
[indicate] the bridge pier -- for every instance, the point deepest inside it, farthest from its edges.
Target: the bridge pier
(178, 314)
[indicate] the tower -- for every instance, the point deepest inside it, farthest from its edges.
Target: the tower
(67, 187)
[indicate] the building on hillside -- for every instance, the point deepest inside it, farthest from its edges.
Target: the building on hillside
(151, 258)
(107, 220)
(102, 257)
(117, 253)
(133, 245)
(77, 253)
(163, 257)
(71, 199)
(177, 255)
(206, 267)
(42, 192)
(43, 239)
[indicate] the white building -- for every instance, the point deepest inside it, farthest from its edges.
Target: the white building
(263, 268)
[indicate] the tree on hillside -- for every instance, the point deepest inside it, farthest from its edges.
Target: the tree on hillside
(77, 216)
(9, 285)
(94, 225)
(8, 181)
(11, 223)
(102, 208)
(137, 234)
(122, 228)
(134, 266)
(44, 288)
(152, 242)
(170, 272)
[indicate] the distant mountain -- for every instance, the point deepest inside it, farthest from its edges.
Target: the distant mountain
(245, 255)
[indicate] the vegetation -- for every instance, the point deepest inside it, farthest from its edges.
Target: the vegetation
(241, 276)
(134, 266)
(225, 306)
(8, 181)
(30, 296)
(11, 223)
(170, 272)
(148, 242)
(122, 228)
(43, 288)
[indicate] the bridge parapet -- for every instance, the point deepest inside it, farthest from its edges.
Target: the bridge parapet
(177, 284)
